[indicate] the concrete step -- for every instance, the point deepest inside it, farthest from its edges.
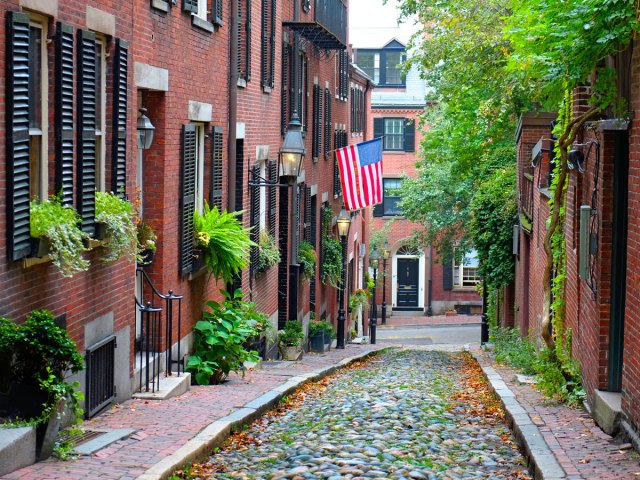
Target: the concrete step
(17, 448)
(169, 387)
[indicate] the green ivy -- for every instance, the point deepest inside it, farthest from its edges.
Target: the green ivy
(332, 264)
(121, 234)
(307, 259)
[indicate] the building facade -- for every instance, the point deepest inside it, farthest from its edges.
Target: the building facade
(219, 81)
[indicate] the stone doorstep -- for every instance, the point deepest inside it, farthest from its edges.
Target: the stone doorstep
(542, 462)
(607, 411)
(169, 387)
(17, 448)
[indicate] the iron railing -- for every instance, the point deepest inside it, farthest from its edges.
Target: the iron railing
(332, 15)
(151, 340)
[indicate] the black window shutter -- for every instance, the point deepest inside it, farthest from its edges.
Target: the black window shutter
(218, 16)
(317, 121)
(190, 6)
(273, 176)
(255, 221)
(447, 273)
(64, 128)
(247, 52)
(17, 118)
(264, 47)
(378, 127)
(327, 123)
(120, 97)
(305, 93)
(409, 136)
(215, 189)
(307, 213)
(272, 46)
(86, 153)
(284, 101)
(352, 111)
(188, 196)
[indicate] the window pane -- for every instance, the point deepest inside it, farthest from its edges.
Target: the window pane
(370, 63)
(391, 196)
(35, 166)
(35, 77)
(393, 133)
(392, 69)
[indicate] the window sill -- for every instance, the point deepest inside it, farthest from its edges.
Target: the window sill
(197, 274)
(161, 5)
(31, 261)
(266, 89)
(546, 192)
(93, 243)
(201, 23)
(463, 289)
(242, 83)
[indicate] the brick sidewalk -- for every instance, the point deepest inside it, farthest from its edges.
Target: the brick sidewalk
(397, 320)
(164, 426)
(582, 449)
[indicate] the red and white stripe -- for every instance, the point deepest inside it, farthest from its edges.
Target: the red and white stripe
(361, 186)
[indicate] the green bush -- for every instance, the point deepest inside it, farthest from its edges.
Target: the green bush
(121, 233)
(331, 262)
(224, 240)
(59, 224)
(511, 349)
(292, 334)
(307, 259)
(322, 326)
(219, 342)
(268, 252)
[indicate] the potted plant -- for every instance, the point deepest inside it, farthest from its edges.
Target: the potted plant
(358, 299)
(59, 225)
(146, 243)
(290, 340)
(224, 242)
(38, 355)
(316, 337)
(268, 252)
(219, 343)
(120, 238)
(307, 259)
(331, 262)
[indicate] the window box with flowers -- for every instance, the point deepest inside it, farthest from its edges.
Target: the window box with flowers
(147, 245)
(120, 238)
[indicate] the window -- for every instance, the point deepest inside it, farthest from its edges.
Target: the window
(383, 66)
(201, 9)
(244, 41)
(101, 82)
(263, 198)
(38, 112)
(199, 186)
(391, 196)
(465, 271)
(393, 134)
(268, 37)
(342, 71)
(399, 133)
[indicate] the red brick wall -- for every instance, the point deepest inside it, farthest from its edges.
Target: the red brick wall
(105, 288)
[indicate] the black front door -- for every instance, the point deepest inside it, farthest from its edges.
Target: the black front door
(407, 282)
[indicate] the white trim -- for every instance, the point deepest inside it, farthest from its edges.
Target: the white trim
(41, 22)
(200, 137)
(263, 198)
(101, 116)
(421, 278)
(202, 9)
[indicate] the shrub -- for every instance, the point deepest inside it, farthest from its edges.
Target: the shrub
(307, 259)
(219, 342)
(268, 252)
(322, 326)
(292, 334)
(331, 262)
(59, 225)
(224, 241)
(121, 234)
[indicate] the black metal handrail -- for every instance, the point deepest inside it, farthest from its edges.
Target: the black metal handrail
(332, 15)
(151, 328)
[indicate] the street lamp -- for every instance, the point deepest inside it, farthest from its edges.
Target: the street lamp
(292, 151)
(144, 130)
(344, 222)
(374, 262)
(385, 256)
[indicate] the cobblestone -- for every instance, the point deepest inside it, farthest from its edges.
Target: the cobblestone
(394, 419)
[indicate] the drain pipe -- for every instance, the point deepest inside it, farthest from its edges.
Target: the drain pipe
(233, 106)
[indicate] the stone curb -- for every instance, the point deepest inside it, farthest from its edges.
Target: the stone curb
(217, 432)
(542, 462)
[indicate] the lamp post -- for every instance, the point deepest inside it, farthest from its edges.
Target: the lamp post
(385, 256)
(344, 222)
(144, 130)
(374, 262)
(484, 326)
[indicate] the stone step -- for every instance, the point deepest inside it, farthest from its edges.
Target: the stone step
(17, 448)
(169, 387)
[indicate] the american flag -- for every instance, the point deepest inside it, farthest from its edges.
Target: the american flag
(361, 173)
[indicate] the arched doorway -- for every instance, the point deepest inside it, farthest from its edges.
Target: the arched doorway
(408, 279)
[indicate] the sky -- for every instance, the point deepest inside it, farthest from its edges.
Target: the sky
(373, 25)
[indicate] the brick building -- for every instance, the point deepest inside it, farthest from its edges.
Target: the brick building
(219, 81)
(415, 281)
(601, 234)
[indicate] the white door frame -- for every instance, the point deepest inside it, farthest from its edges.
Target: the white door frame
(394, 278)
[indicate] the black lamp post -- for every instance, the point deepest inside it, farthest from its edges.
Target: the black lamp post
(385, 256)
(484, 325)
(344, 222)
(144, 130)
(374, 262)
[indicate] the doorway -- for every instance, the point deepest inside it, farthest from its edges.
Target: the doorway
(408, 279)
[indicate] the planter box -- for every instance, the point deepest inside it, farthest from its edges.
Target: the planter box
(146, 256)
(290, 352)
(101, 231)
(197, 261)
(39, 247)
(317, 343)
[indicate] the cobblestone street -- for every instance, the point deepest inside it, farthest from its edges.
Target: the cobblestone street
(406, 414)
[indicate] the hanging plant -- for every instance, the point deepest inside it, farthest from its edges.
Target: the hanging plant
(307, 259)
(59, 224)
(268, 252)
(331, 262)
(224, 241)
(121, 235)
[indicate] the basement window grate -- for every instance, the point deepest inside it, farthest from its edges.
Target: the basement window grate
(100, 361)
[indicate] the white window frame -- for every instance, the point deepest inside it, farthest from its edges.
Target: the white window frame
(392, 137)
(200, 139)
(202, 9)
(101, 117)
(462, 271)
(38, 136)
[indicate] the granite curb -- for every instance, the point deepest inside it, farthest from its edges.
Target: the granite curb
(214, 434)
(541, 460)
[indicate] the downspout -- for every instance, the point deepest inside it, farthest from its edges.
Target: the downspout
(233, 106)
